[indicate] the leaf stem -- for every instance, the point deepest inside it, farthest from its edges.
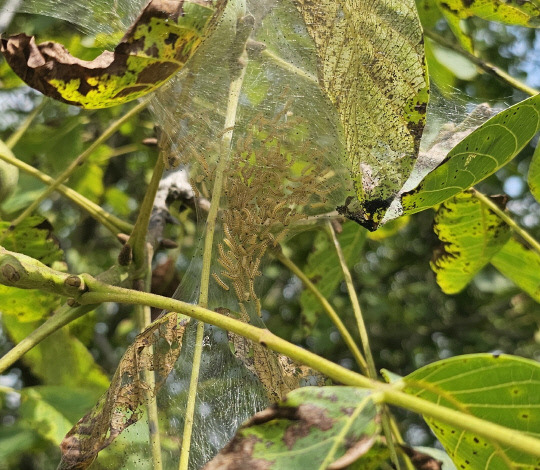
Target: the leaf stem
(100, 292)
(484, 65)
(114, 224)
(519, 231)
(137, 239)
(80, 160)
(372, 372)
(19, 132)
(235, 89)
(349, 341)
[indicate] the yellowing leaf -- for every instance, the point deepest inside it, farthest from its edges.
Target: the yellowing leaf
(160, 41)
(371, 65)
(520, 264)
(471, 234)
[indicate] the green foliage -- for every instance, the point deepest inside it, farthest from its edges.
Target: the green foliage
(534, 174)
(480, 154)
(470, 234)
(501, 389)
(33, 237)
(323, 266)
(9, 174)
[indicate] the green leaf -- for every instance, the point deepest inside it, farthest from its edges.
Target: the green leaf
(32, 237)
(16, 439)
(55, 359)
(160, 41)
(500, 389)
(51, 411)
(471, 235)
(479, 155)
(311, 428)
(27, 305)
(324, 269)
(371, 65)
(521, 265)
(533, 177)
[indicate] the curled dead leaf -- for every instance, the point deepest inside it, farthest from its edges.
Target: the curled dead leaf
(160, 41)
(141, 372)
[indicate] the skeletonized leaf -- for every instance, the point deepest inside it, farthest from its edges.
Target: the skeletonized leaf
(312, 427)
(521, 265)
(371, 65)
(470, 234)
(480, 154)
(158, 44)
(501, 389)
(278, 373)
(154, 350)
(533, 177)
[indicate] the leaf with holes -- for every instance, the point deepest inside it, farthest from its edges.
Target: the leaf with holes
(520, 264)
(312, 427)
(371, 65)
(477, 156)
(500, 389)
(158, 44)
(470, 234)
(533, 178)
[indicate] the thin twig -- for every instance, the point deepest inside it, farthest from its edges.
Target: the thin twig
(235, 89)
(484, 65)
(15, 136)
(114, 224)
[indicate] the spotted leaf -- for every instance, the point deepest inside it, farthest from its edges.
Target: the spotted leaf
(158, 44)
(501, 389)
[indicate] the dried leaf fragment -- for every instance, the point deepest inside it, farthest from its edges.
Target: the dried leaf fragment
(141, 372)
(160, 41)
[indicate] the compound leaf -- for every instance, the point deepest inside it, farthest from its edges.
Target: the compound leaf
(520, 264)
(312, 427)
(477, 156)
(160, 41)
(501, 389)
(471, 234)
(371, 65)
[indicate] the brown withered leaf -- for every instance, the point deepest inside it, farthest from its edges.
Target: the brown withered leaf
(160, 41)
(420, 460)
(278, 373)
(141, 372)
